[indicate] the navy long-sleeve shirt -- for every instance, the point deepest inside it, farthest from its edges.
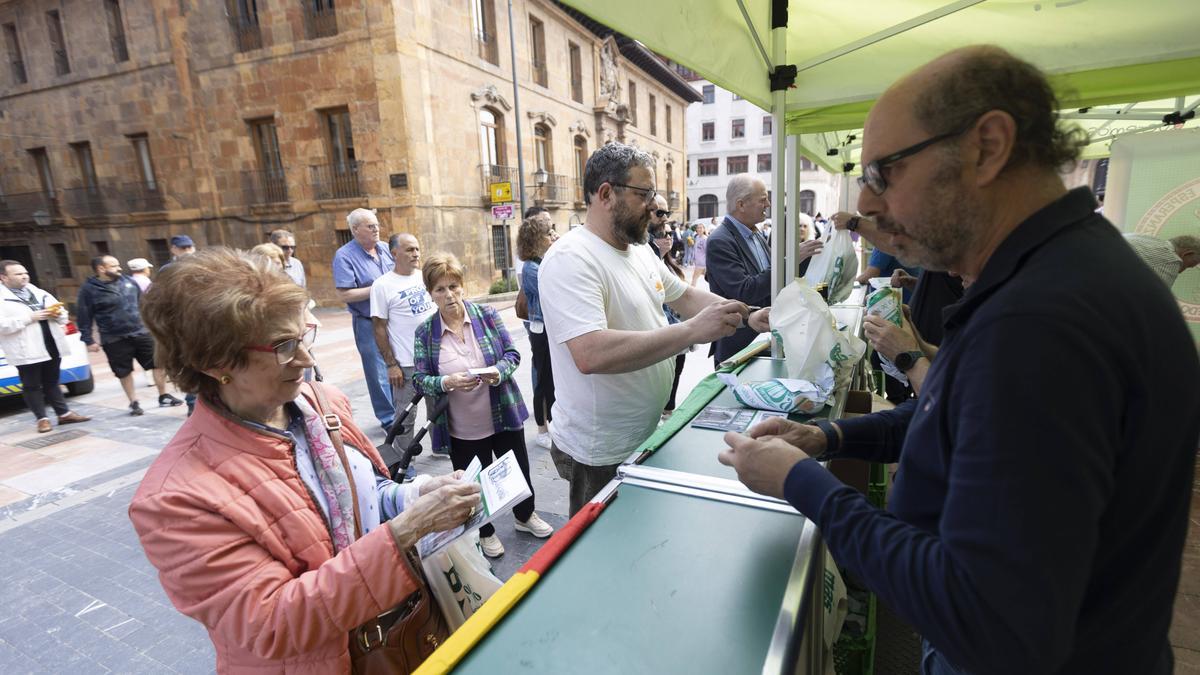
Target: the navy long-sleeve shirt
(1039, 513)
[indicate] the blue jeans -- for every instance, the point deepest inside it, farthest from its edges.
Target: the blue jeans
(933, 663)
(374, 371)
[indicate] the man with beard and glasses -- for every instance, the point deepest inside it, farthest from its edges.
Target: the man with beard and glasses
(1039, 513)
(602, 291)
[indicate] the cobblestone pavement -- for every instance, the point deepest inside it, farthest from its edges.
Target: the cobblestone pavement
(77, 592)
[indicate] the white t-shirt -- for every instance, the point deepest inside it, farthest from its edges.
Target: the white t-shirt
(586, 285)
(405, 303)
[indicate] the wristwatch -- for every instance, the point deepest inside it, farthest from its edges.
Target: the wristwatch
(852, 224)
(906, 360)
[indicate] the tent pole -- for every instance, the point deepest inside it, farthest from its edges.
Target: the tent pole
(780, 223)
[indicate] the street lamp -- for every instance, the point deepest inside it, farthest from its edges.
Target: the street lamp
(541, 176)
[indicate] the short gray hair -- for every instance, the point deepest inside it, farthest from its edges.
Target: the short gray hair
(611, 163)
(357, 216)
(394, 240)
(279, 235)
(740, 187)
(1186, 242)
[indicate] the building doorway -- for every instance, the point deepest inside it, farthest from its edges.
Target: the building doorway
(23, 255)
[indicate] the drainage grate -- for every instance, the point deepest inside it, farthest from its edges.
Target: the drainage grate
(52, 439)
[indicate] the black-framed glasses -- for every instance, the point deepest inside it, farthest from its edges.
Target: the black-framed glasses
(648, 194)
(873, 171)
(662, 213)
(287, 248)
(285, 350)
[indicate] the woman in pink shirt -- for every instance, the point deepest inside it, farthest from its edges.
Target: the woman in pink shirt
(486, 416)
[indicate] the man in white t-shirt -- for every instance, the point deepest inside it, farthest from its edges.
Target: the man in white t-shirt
(602, 290)
(400, 303)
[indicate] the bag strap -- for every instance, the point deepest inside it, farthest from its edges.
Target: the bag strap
(333, 425)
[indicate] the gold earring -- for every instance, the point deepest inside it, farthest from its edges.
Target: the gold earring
(225, 379)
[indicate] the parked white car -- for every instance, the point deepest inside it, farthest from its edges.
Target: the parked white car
(76, 370)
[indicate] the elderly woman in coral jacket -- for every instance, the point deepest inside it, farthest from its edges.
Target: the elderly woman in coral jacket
(249, 512)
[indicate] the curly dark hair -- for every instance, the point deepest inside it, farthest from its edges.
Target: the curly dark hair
(990, 78)
(529, 237)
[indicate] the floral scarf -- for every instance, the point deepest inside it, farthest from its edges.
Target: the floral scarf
(331, 474)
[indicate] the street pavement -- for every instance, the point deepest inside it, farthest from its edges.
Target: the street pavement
(77, 591)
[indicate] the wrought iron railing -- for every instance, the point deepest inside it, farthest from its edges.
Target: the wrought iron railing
(264, 186)
(18, 71)
(92, 201)
(246, 33)
(497, 173)
(320, 21)
(557, 188)
(144, 196)
(29, 207)
(340, 180)
(578, 191)
(489, 48)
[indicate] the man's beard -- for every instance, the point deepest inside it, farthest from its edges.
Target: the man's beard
(947, 227)
(631, 226)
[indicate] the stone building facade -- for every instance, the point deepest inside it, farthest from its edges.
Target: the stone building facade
(727, 136)
(124, 122)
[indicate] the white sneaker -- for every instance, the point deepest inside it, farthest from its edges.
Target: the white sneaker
(535, 526)
(543, 440)
(491, 546)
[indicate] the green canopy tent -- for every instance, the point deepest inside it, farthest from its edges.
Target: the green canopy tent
(1097, 52)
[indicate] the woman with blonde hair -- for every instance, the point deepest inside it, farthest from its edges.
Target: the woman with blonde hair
(271, 252)
(486, 415)
(269, 515)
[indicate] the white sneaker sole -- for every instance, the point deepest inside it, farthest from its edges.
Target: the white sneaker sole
(528, 530)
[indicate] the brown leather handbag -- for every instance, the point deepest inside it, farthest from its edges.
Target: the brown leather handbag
(400, 639)
(522, 307)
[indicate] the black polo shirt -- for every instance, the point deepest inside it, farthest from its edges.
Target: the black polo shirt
(935, 292)
(1039, 514)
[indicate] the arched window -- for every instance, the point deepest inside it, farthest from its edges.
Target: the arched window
(808, 200)
(542, 148)
(491, 136)
(708, 206)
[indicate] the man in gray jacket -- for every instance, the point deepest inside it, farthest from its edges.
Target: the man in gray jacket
(32, 338)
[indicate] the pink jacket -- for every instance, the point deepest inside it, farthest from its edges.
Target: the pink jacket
(242, 547)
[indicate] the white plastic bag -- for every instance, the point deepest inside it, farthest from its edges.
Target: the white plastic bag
(836, 265)
(805, 326)
(460, 579)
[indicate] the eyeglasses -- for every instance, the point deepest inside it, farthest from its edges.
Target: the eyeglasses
(288, 248)
(285, 351)
(873, 171)
(648, 194)
(659, 234)
(661, 213)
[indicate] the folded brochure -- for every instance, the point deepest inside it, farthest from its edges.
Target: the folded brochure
(731, 419)
(502, 486)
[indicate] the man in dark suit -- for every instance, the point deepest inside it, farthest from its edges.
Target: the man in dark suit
(739, 257)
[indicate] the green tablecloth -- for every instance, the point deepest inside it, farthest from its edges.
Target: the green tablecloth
(660, 583)
(695, 450)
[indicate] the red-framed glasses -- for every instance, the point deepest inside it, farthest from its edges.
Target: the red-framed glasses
(285, 351)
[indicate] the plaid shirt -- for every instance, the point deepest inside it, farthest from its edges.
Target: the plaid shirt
(508, 408)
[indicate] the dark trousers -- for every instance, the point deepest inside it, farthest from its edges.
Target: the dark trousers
(462, 451)
(39, 386)
(679, 361)
(543, 384)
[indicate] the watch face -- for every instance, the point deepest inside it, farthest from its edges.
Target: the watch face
(906, 360)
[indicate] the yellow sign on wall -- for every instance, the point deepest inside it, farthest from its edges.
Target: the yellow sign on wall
(501, 192)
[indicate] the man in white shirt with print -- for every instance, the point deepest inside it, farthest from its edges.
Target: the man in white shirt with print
(602, 291)
(400, 303)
